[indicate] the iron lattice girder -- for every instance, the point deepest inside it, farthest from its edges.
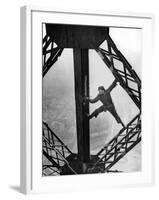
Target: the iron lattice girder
(121, 144)
(55, 151)
(125, 75)
(50, 53)
(49, 170)
(75, 36)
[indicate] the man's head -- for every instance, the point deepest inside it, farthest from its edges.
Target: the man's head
(101, 90)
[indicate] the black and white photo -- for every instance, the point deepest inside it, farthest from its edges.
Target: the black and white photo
(91, 99)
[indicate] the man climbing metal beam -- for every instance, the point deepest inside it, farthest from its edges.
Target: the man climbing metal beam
(105, 97)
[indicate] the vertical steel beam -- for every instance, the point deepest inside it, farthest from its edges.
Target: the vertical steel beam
(81, 73)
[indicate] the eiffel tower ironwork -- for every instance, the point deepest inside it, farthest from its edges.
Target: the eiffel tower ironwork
(57, 157)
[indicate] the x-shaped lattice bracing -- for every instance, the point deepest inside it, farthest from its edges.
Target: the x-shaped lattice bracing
(56, 151)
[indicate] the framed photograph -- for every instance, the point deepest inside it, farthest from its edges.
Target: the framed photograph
(86, 93)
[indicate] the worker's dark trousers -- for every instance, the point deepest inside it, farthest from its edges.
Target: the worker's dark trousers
(105, 108)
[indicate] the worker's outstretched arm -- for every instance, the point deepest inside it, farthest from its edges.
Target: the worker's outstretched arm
(112, 86)
(92, 100)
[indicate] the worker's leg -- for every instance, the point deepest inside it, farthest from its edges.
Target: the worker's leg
(112, 110)
(97, 111)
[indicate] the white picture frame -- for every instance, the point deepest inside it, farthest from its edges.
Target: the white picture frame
(31, 100)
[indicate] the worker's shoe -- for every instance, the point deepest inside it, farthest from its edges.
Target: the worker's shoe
(91, 116)
(123, 125)
(120, 122)
(88, 116)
